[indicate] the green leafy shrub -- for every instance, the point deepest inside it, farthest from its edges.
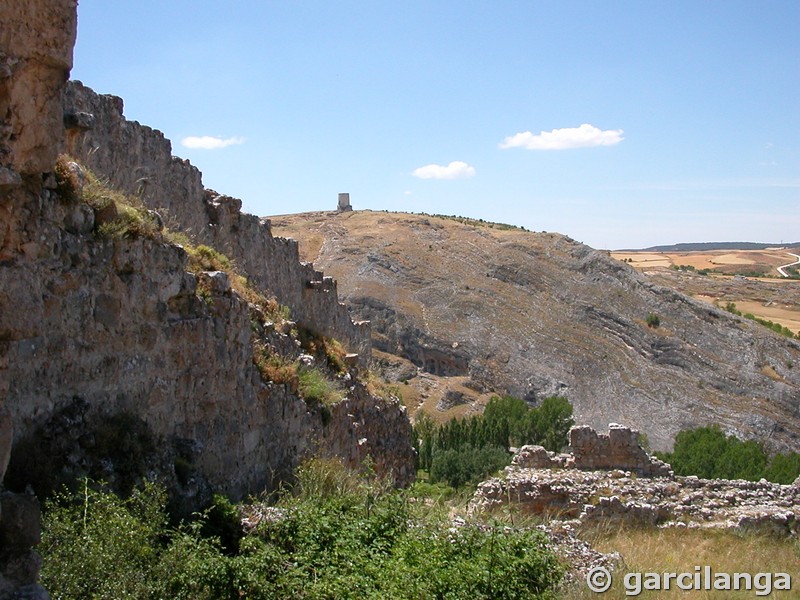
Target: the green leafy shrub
(653, 320)
(206, 258)
(223, 522)
(434, 491)
(341, 535)
(314, 386)
(96, 545)
(493, 563)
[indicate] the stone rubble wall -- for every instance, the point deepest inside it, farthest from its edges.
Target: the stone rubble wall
(36, 40)
(589, 496)
(622, 483)
(138, 160)
(20, 531)
(117, 323)
(590, 450)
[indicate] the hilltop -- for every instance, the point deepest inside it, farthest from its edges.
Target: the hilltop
(461, 309)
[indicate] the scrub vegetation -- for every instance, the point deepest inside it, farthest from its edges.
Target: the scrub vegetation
(335, 534)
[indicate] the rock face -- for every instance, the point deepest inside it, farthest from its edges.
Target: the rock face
(590, 487)
(36, 40)
(35, 59)
(537, 314)
(20, 531)
(101, 330)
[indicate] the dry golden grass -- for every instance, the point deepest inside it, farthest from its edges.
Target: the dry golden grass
(681, 550)
(770, 372)
(777, 313)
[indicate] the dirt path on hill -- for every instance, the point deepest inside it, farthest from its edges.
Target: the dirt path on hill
(797, 262)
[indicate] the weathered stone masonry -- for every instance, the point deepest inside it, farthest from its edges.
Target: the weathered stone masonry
(138, 160)
(114, 325)
(611, 478)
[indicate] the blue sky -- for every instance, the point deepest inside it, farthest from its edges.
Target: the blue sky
(620, 124)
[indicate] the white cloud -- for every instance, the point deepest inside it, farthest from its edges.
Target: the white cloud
(207, 142)
(455, 170)
(584, 136)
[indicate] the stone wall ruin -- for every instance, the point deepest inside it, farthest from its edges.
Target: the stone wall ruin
(114, 325)
(138, 160)
(611, 478)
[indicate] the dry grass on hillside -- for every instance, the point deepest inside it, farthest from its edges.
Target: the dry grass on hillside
(681, 550)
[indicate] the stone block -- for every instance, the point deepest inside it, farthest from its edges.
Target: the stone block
(534, 457)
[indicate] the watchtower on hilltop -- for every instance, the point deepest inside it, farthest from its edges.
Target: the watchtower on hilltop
(344, 203)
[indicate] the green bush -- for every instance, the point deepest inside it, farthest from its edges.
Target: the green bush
(341, 536)
(468, 465)
(314, 386)
(95, 545)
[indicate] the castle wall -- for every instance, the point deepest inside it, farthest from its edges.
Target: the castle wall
(113, 324)
(138, 160)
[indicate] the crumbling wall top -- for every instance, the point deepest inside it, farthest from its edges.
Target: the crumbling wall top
(593, 451)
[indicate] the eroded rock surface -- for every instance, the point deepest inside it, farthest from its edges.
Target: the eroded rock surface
(36, 42)
(536, 314)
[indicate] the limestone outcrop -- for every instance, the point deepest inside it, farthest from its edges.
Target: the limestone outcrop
(536, 314)
(36, 42)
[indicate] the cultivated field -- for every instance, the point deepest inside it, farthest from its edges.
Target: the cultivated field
(719, 261)
(729, 279)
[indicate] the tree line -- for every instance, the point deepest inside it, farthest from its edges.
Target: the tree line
(465, 451)
(707, 452)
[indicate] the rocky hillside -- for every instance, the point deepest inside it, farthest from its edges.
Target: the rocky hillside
(488, 308)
